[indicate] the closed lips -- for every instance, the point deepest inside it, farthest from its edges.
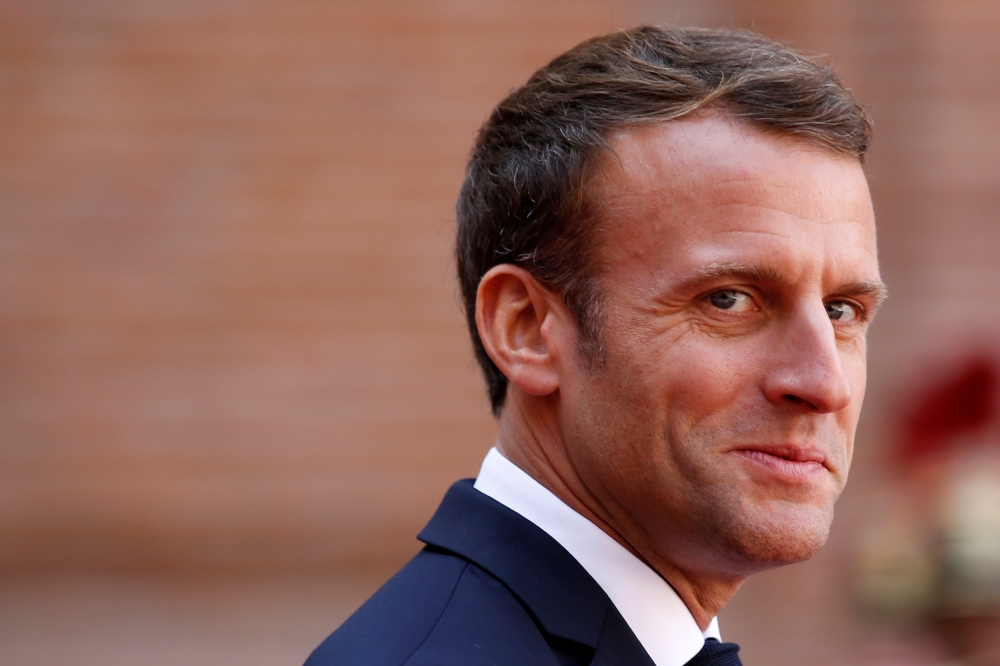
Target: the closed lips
(787, 459)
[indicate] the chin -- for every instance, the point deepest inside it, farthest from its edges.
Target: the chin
(784, 535)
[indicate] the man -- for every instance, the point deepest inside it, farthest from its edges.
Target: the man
(667, 254)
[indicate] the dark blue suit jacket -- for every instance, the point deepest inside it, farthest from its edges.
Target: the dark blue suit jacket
(490, 588)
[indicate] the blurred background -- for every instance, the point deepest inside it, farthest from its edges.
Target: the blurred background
(234, 377)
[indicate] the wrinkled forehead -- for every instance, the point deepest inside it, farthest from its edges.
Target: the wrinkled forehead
(683, 180)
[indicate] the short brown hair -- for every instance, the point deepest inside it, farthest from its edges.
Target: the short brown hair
(523, 200)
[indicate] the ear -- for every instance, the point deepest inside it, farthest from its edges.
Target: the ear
(522, 325)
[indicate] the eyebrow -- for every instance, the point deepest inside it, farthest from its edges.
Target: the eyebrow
(762, 273)
(873, 289)
(748, 272)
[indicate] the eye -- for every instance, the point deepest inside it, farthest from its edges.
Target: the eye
(734, 301)
(841, 311)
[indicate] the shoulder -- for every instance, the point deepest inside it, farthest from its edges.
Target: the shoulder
(440, 609)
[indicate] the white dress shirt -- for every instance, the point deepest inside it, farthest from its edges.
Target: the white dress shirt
(652, 609)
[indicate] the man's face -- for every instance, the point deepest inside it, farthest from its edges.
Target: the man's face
(738, 271)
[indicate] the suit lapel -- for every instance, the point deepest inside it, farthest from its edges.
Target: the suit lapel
(566, 601)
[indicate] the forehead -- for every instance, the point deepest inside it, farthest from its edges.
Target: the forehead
(710, 189)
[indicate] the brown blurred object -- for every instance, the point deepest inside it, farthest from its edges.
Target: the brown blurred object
(229, 335)
(931, 553)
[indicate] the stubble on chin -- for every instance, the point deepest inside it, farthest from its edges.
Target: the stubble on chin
(745, 525)
(750, 538)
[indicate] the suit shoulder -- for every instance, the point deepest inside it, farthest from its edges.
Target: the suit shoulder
(439, 610)
(397, 618)
(484, 624)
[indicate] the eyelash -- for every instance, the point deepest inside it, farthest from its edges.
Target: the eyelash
(860, 309)
(862, 312)
(749, 294)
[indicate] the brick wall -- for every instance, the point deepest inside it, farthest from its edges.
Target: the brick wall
(229, 332)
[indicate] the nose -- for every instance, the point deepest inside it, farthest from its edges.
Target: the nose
(808, 369)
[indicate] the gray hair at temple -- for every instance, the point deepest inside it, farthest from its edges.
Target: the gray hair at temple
(524, 200)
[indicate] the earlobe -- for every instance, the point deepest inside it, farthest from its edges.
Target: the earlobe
(516, 316)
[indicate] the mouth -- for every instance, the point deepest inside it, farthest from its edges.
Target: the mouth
(794, 463)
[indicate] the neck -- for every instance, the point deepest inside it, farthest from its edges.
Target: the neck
(529, 436)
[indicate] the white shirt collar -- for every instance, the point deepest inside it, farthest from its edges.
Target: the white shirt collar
(652, 609)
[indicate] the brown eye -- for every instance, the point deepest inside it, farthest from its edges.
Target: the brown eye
(841, 311)
(735, 301)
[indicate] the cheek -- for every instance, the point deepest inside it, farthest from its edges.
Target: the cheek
(859, 377)
(856, 367)
(852, 415)
(706, 380)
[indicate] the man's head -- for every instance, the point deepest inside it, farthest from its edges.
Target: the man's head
(683, 339)
(524, 200)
